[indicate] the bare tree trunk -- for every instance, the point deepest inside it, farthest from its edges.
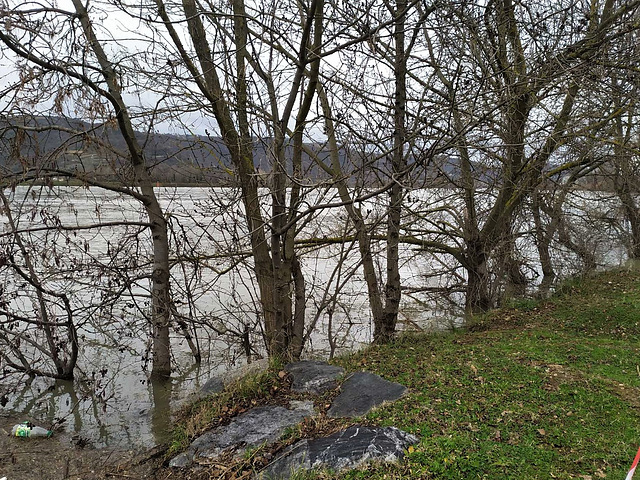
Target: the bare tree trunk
(543, 237)
(297, 334)
(625, 181)
(632, 214)
(478, 297)
(160, 297)
(385, 328)
(297, 320)
(510, 268)
(362, 234)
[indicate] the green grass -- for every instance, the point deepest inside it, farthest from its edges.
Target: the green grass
(533, 391)
(551, 390)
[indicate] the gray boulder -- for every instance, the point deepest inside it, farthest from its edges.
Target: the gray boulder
(347, 449)
(212, 386)
(313, 377)
(251, 429)
(361, 392)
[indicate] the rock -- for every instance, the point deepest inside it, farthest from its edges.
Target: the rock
(313, 377)
(361, 392)
(212, 386)
(183, 460)
(251, 429)
(217, 384)
(346, 449)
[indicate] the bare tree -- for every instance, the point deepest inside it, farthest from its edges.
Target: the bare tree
(512, 90)
(229, 96)
(27, 38)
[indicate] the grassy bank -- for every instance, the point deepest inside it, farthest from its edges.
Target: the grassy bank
(548, 390)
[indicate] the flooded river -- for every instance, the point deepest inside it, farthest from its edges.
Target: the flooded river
(113, 403)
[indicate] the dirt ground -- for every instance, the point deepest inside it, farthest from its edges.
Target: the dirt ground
(63, 457)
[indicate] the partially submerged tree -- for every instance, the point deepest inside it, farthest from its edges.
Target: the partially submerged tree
(29, 36)
(512, 84)
(251, 94)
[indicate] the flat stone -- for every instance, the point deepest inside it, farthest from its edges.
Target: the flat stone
(346, 449)
(183, 460)
(363, 391)
(313, 377)
(251, 429)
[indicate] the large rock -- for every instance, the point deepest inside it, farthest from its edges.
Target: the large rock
(251, 429)
(361, 392)
(347, 449)
(313, 377)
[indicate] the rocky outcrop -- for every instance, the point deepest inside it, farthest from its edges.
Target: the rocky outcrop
(349, 448)
(251, 429)
(346, 449)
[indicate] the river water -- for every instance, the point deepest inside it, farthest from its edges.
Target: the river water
(113, 403)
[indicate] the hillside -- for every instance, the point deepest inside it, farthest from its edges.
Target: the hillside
(78, 146)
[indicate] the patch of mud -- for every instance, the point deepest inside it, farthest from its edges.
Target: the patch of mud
(627, 393)
(60, 457)
(557, 375)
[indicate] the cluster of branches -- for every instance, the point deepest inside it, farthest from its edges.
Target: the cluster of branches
(502, 109)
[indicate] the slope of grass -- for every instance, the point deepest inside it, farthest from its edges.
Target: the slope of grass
(540, 390)
(548, 391)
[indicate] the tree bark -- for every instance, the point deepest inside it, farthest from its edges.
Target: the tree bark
(160, 296)
(385, 328)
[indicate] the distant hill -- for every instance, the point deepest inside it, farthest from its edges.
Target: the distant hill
(78, 146)
(99, 151)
